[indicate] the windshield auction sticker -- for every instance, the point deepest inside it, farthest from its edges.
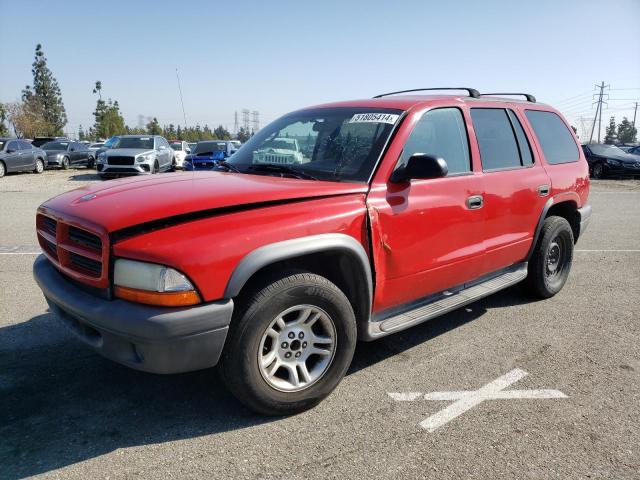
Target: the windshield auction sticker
(374, 118)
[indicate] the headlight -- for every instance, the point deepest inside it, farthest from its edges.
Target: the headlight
(613, 163)
(147, 157)
(152, 284)
(102, 158)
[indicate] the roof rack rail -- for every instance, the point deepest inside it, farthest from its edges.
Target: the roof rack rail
(528, 96)
(472, 91)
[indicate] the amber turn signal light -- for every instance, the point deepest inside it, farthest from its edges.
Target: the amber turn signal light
(161, 299)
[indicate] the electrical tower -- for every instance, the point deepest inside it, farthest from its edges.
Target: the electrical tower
(255, 120)
(599, 102)
(235, 123)
(245, 119)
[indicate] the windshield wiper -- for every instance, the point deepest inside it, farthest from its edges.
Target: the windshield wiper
(269, 167)
(229, 166)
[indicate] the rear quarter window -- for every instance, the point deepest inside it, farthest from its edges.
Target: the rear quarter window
(557, 143)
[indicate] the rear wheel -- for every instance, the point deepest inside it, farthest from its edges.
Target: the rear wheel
(552, 258)
(598, 171)
(290, 344)
(39, 166)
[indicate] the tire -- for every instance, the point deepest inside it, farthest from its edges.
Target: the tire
(292, 307)
(39, 166)
(91, 162)
(551, 261)
(3, 169)
(598, 171)
(65, 163)
(155, 169)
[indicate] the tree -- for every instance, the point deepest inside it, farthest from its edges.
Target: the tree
(221, 133)
(610, 135)
(626, 132)
(112, 122)
(153, 127)
(47, 93)
(243, 135)
(26, 118)
(4, 131)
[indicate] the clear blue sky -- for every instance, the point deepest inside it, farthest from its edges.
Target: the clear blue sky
(276, 56)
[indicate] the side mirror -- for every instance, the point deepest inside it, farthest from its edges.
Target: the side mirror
(420, 166)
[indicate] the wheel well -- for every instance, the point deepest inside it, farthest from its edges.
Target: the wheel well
(569, 211)
(339, 267)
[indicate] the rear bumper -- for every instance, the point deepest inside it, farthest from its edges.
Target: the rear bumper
(153, 339)
(585, 218)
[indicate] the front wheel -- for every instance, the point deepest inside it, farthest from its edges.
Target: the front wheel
(39, 166)
(551, 260)
(598, 171)
(65, 163)
(289, 345)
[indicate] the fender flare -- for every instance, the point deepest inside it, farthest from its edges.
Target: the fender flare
(562, 197)
(297, 247)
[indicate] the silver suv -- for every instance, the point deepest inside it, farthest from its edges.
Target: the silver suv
(136, 154)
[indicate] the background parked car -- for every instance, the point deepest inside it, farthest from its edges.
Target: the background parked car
(207, 154)
(93, 148)
(192, 145)
(635, 150)
(609, 160)
(66, 153)
(39, 141)
(136, 154)
(20, 155)
(181, 150)
(106, 146)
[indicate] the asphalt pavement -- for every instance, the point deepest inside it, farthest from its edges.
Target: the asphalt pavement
(66, 412)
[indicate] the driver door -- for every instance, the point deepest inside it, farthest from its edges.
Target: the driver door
(427, 234)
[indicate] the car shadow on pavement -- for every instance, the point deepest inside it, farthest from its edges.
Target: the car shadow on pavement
(61, 403)
(85, 177)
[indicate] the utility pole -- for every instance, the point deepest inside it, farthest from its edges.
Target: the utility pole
(181, 101)
(235, 123)
(635, 111)
(255, 120)
(602, 86)
(245, 119)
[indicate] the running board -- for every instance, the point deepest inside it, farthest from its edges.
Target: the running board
(447, 301)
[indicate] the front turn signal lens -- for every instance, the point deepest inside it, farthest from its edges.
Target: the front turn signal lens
(161, 299)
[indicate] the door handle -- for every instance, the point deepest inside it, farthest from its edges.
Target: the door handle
(543, 190)
(475, 202)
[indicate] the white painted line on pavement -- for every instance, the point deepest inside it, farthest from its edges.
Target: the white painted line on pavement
(466, 400)
(592, 251)
(20, 253)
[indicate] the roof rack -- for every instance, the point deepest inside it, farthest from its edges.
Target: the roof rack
(528, 96)
(472, 91)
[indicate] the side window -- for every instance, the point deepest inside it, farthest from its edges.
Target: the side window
(13, 146)
(523, 143)
(441, 133)
(25, 146)
(498, 146)
(553, 135)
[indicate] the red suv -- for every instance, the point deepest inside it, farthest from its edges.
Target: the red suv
(341, 222)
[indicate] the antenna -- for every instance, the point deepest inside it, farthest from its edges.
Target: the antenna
(181, 100)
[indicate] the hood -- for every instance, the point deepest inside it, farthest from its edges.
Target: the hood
(127, 152)
(119, 204)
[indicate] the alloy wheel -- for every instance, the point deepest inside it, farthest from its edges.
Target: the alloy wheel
(297, 348)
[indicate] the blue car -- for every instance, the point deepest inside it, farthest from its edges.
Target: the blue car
(207, 154)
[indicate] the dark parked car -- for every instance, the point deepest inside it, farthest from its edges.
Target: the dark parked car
(609, 160)
(20, 156)
(634, 150)
(66, 153)
(39, 141)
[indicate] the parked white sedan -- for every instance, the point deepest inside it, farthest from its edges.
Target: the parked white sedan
(182, 149)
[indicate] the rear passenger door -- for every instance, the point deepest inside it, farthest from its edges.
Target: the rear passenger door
(516, 186)
(27, 160)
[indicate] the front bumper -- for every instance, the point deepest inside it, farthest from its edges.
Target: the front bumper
(625, 170)
(152, 339)
(135, 169)
(199, 165)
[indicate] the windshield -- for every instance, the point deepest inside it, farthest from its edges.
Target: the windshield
(336, 144)
(205, 148)
(606, 149)
(109, 143)
(55, 146)
(141, 143)
(176, 146)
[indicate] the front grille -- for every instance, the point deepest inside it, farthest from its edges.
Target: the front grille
(92, 267)
(85, 239)
(116, 160)
(49, 225)
(111, 169)
(78, 253)
(277, 159)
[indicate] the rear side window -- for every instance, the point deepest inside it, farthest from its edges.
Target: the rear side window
(553, 135)
(498, 147)
(441, 133)
(523, 143)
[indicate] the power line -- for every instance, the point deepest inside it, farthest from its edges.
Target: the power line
(181, 101)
